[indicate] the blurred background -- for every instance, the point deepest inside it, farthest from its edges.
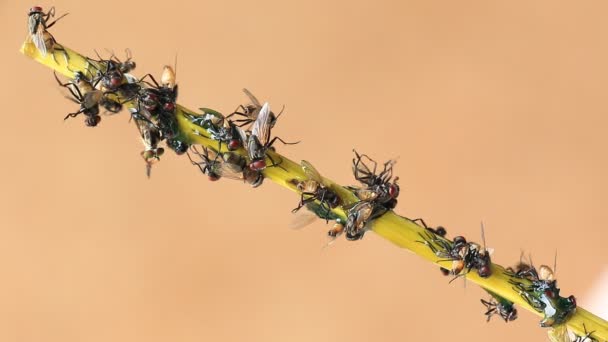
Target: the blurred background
(496, 111)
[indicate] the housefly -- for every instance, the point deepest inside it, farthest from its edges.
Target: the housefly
(542, 294)
(439, 231)
(315, 188)
(500, 306)
(150, 137)
(379, 187)
(213, 164)
(38, 25)
(377, 195)
(89, 98)
(251, 111)
(259, 141)
(464, 255)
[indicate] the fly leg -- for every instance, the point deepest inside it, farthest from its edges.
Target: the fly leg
(305, 200)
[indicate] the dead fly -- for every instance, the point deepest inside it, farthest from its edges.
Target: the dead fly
(227, 165)
(89, 99)
(542, 294)
(358, 215)
(498, 305)
(439, 231)
(378, 195)
(259, 142)
(381, 188)
(214, 166)
(251, 111)
(38, 24)
(464, 255)
(315, 188)
(150, 137)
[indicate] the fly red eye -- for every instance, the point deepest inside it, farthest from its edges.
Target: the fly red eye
(572, 300)
(484, 271)
(35, 9)
(257, 165)
(393, 191)
(115, 81)
(444, 271)
(169, 106)
(550, 293)
(234, 144)
(213, 177)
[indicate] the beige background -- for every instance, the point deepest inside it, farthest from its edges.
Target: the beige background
(496, 112)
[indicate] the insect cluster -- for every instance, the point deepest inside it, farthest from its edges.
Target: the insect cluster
(245, 149)
(106, 86)
(537, 287)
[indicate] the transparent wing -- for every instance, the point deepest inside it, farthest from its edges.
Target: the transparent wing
(226, 170)
(38, 39)
(242, 135)
(252, 98)
(262, 124)
(366, 194)
(302, 218)
(32, 22)
(311, 172)
(365, 210)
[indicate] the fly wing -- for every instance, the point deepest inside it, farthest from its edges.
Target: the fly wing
(302, 218)
(261, 125)
(365, 211)
(38, 38)
(32, 23)
(559, 334)
(252, 98)
(252, 147)
(366, 194)
(311, 172)
(228, 171)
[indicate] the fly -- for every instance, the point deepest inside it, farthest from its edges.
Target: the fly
(315, 188)
(542, 294)
(259, 142)
(251, 111)
(38, 25)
